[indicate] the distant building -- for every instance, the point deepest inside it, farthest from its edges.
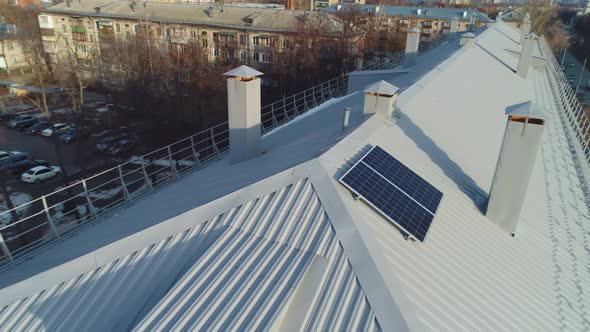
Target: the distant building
(245, 33)
(429, 19)
(12, 59)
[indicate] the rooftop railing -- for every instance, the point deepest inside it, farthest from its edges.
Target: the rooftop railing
(43, 221)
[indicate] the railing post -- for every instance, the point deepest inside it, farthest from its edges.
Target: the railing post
(215, 149)
(272, 112)
(172, 164)
(49, 217)
(5, 249)
(90, 205)
(295, 105)
(148, 182)
(195, 154)
(125, 190)
(313, 96)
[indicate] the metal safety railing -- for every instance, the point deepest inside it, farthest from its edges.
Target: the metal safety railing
(284, 110)
(42, 221)
(568, 103)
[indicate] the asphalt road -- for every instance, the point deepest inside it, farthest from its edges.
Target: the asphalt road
(575, 72)
(75, 156)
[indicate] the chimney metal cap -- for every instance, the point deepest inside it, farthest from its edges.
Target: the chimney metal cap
(468, 35)
(529, 110)
(243, 71)
(382, 88)
(414, 30)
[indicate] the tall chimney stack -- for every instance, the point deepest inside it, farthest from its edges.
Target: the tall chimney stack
(243, 104)
(380, 98)
(521, 143)
(466, 39)
(412, 43)
(454, 25)
(526, 55)
(471, 25)
(525, 28)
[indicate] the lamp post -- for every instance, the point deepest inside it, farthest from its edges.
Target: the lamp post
(582, 74)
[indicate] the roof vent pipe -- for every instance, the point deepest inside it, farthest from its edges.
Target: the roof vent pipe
(243, 105)
(525, 28)
(521, 143)
(380, 98)
(466, 39)
(454, 25)
(526, 55)
(412, 43)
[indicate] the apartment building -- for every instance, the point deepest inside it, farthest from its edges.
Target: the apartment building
(429, 19)
(12, 59)
(89, 29)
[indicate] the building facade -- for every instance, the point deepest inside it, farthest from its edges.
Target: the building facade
(430, 20)
(90, 31)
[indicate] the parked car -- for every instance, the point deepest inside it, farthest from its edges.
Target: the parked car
(570, 64)
(108, 141)
(71, 135)
(4, 155)
(40, 173)
(25, 124)
(20, 119)
(19, 167)
(120, 146)
(56, 129)
(38, 127)
(7, 116)
(15, 156)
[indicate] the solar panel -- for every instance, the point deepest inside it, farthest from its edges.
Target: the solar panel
(395, 191)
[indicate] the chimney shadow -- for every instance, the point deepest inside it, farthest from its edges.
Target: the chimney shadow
(450, 168)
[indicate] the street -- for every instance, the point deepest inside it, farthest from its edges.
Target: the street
(575, 71)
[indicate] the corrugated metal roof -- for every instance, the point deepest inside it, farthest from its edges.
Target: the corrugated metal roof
(410, 11)
(246, 265)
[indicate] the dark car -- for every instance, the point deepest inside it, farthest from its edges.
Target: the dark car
(107, 142)
(14, 158)
(38, 127)
(19, 167)
(20, 119)
(71, 135)
(120, 146)
(7, 116)
(25, 124)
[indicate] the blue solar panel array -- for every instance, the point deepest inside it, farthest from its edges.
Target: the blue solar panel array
(395, 190)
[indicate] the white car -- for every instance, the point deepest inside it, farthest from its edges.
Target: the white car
(40, 173)
(56, 129)
(4, 154)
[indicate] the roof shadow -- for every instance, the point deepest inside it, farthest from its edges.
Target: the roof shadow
(449, 167)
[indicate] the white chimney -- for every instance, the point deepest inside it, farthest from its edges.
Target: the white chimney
(526, 55)
(243, 105)
(465, 14)
(454, 25)
(380, 98)
(525, 28)
(412, 43)
(419, 11)
(521, 143)
(466, 39)
(472, 22)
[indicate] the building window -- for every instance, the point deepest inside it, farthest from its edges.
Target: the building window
(64, 27)
(127, 26)
(82, 48)
(44, 19)
(205, 43)
(91, 38)
(159, 31)
(204, 33)
(256, 40)
(13, 58)
(215, 36)
(243, 56)
(243, 39)
(194, 34)
(216, 52)
(266, 58)
(117, 27)
(256, 57)
(286, 43)
(127, 35)
(89, 25)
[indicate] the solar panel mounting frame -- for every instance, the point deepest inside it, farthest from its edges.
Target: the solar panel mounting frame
(382, 213)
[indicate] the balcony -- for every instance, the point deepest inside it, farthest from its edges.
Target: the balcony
(224, 44)
(79, 29)
(427, 24)
(178, 39)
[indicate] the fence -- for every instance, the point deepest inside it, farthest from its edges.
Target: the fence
(569, 104)
(392, 60)
(62, 212)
